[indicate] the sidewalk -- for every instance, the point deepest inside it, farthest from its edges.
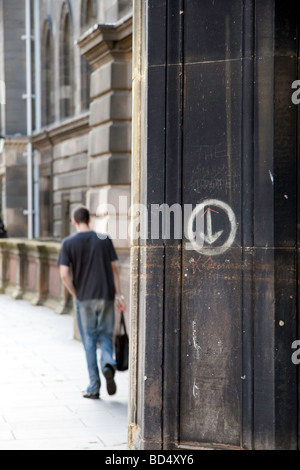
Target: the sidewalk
(42, 375)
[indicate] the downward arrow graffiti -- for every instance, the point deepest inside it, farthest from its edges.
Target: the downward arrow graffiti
(210, 237)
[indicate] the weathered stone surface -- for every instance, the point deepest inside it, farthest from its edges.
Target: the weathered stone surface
(75, 196)
(71, 180)
(109, 170)
(111, 200)
(16, 222)
(57, 230)
(112, 76)
(16, 177)
(57, 212)
(69, 164)
(110, 138)
(74, 146)
(113, 106)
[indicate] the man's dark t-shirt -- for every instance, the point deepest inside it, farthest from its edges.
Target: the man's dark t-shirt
(90, 258)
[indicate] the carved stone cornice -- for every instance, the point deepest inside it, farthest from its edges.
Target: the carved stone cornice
(61, 131)
(16, 142)
(101, 43)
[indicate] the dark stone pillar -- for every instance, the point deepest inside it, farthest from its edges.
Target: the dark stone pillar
(213, 326)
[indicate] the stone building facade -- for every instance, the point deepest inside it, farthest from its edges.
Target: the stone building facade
(83, 148)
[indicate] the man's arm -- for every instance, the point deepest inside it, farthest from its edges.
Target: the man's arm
(67, 280)
(119, 297)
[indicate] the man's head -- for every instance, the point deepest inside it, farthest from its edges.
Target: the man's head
(81, 216)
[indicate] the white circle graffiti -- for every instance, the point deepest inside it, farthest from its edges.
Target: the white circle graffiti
(209, 238)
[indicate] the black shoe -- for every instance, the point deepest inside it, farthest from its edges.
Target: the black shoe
(91, 396)
(109, 374)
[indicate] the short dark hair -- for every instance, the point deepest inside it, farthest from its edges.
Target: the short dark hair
(82, 215)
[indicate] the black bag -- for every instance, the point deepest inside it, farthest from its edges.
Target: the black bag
(122, 347)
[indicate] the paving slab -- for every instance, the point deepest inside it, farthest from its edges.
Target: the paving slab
(42, 375)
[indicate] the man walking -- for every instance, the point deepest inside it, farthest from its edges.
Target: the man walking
(94, 284)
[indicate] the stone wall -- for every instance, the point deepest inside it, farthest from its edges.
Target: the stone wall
(85, 156)
(63, 172)
(109, 50)
(29, 271)
(87, 159)
(85, 152)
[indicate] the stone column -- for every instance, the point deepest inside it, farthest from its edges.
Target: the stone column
(3, 267)
(41, 261)
(213, 323)
(109, 170)
(109, 50)
(58, 297)
(20, 252)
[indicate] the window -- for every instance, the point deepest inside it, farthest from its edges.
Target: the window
(47, 75)
(88, 14)
(66, 66)
(88, 19)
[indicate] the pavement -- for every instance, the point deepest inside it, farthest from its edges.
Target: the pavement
(42, 375)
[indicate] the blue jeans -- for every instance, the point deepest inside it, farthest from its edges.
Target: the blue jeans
(96, 319)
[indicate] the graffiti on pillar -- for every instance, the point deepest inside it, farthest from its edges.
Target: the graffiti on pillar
(196, 345)
(195, 390)
(202, 264)
(220, 228)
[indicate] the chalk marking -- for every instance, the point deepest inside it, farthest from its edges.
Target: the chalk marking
(211, 238)
(195, 390)
(196, 345)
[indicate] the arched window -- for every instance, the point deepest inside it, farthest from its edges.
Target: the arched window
(88, 19)
(88, 14)
(66, 66)
(47, 75)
